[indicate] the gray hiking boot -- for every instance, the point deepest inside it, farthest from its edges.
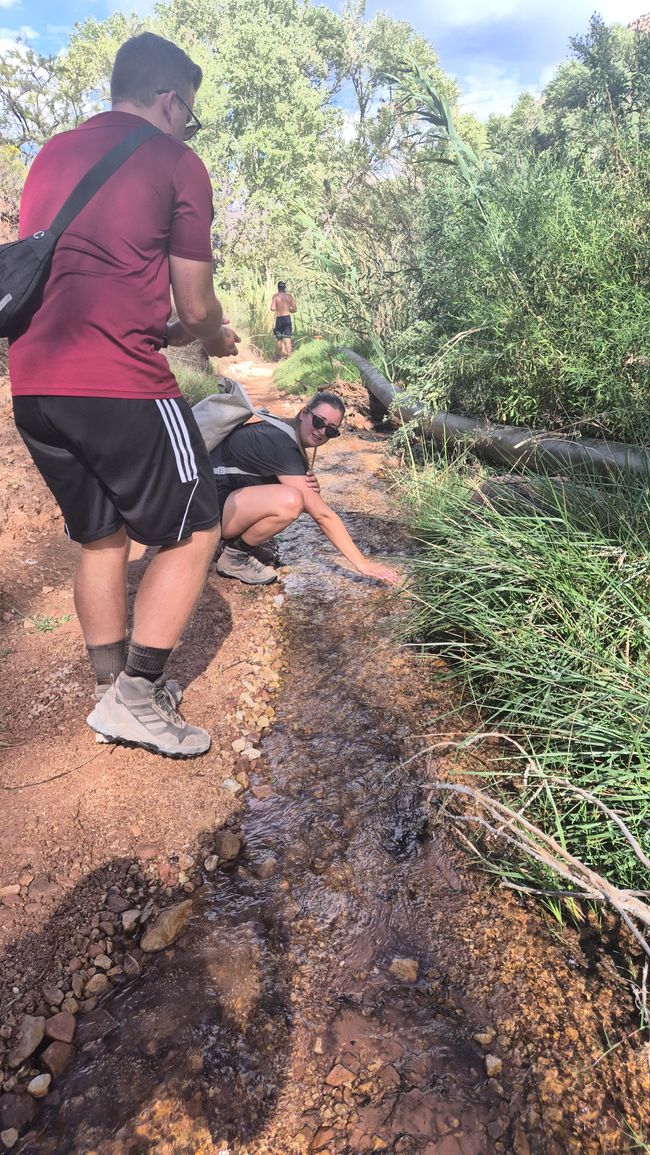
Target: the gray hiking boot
(175, 689)
(233, 563)
(136, 712)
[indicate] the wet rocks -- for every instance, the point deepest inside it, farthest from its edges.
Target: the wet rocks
(61, 1027)
(405, 969)
(340, 1076)
(56, 1058)
(166, 928)
(493, 1066)
(16, 1111)
(130, 919)
(32, 1030)
(131, 967)
(39, 1086)
(227, 845)
(267, 867)
(97, 984)
(484, 1038)
(9, 1138)
(232, 786)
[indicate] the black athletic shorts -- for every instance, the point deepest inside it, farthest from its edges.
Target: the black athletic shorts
(282, 327)
(119, 461)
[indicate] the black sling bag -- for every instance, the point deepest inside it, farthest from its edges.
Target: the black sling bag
(25, 264)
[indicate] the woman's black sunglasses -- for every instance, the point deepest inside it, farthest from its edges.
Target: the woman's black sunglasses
(321, 423)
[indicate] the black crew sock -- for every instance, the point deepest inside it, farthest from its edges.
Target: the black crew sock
(146, 662)
(107, 661)
(241, 545)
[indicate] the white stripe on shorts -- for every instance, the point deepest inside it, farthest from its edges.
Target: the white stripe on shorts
(179, 439)
(182, 447)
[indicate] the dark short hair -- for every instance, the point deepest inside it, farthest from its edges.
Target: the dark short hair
(282, 285)
(323, 398)
(147, 63)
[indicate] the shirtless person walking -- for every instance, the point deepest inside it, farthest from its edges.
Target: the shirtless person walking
(283, 305)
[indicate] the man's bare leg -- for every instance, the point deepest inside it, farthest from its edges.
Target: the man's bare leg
(170, 589)
(135, 711)
(100, 589)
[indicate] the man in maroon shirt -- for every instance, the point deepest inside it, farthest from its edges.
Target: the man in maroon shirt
(95, 400)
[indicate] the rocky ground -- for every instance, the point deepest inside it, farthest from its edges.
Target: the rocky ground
(109, 857)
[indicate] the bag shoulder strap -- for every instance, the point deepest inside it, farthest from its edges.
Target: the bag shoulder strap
(98, 175)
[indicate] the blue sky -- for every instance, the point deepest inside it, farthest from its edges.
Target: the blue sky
(496, 49)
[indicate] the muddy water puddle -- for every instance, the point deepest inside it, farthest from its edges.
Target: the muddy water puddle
(327, 993)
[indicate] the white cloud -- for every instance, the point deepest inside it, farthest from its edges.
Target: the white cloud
(564, 13)
(487, 89)
(350, 126)
(9, 3)
(11, 38)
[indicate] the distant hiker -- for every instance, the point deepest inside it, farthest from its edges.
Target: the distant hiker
(264, 483)
(98, 405)
(283, 305)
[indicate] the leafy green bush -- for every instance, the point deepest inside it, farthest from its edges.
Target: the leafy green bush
(314, 365)
(535, 591)
(551, 326)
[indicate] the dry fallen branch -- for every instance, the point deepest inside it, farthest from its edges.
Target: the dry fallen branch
(506, 823)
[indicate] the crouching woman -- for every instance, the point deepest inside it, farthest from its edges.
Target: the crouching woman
(264, 483)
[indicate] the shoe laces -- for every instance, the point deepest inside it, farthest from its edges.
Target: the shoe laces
(165, 701)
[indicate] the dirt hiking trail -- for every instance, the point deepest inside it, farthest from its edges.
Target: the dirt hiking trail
(276, 948)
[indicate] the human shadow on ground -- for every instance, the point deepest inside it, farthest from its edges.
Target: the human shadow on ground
(195, 1046)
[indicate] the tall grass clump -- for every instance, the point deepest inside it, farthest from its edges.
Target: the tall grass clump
(534, 590)
(314, 365)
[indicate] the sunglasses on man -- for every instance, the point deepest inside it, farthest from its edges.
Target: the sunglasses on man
(320, 423)
(192, 122)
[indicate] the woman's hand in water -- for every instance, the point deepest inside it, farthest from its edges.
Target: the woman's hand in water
(312, 481)
(381, 572)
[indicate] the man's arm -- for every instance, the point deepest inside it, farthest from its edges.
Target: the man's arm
(274, 303)
(199, 309)
(334, 529)
(292, 304)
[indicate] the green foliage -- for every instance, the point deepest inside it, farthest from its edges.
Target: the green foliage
(535, 591)
(193, 384)
(270, 132)
(12, 178)
(531, 296)
(314, 365)
(46, 624)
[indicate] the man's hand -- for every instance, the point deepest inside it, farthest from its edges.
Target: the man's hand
(312, 481)
(225, 343)
(380, 572)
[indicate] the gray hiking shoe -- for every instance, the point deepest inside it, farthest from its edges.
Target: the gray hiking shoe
(175, 689)
(233, 563)
(136, 712)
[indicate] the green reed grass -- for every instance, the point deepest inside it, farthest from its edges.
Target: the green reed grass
(314, 365)
(535, 592)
